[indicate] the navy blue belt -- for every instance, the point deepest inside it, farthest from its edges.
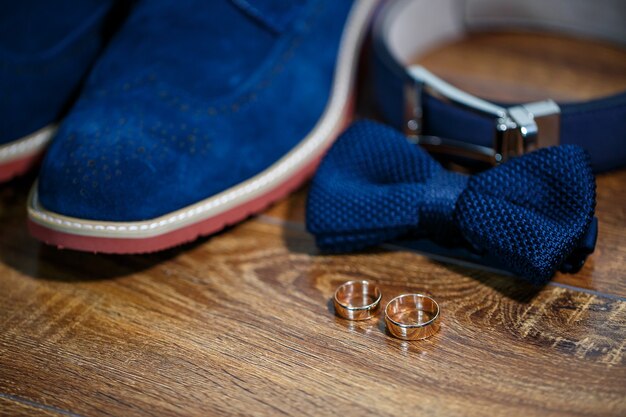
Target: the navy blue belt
(448, 120)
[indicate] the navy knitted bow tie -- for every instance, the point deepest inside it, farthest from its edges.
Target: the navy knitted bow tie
(534, 213)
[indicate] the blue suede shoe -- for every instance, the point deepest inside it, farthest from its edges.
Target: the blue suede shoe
(46, 49)
(198, 114)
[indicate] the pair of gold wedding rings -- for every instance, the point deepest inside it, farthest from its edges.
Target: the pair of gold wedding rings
(408, 316)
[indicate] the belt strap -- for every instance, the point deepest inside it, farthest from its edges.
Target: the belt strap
(415, 100)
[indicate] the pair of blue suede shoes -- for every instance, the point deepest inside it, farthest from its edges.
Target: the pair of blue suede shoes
(192, 116)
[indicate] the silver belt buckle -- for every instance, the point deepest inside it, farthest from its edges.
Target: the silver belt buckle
(517, 130)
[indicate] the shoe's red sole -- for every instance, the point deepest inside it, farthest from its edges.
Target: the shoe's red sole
(187, 233)
(177, 237)
(18, 167)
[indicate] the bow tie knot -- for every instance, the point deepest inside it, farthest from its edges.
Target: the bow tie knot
(531, 212)
(437, 203)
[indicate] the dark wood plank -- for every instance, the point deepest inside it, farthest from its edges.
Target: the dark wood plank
(241, 325)
(10, 407)
(519, 67)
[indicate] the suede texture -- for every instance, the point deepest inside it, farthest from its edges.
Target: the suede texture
(46, 50)
(189, 99)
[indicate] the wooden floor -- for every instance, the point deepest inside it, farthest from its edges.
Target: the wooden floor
(241, 324)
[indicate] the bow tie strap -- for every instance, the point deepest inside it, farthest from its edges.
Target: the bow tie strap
(531, 212)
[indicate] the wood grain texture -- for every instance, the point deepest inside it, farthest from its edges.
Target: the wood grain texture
(519, 67)
(17, 407)
(241, 324)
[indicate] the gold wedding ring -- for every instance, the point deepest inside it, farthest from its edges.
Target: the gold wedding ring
(357, 300)
(412, 316)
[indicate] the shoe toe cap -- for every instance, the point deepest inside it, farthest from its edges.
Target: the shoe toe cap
(106, 167)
